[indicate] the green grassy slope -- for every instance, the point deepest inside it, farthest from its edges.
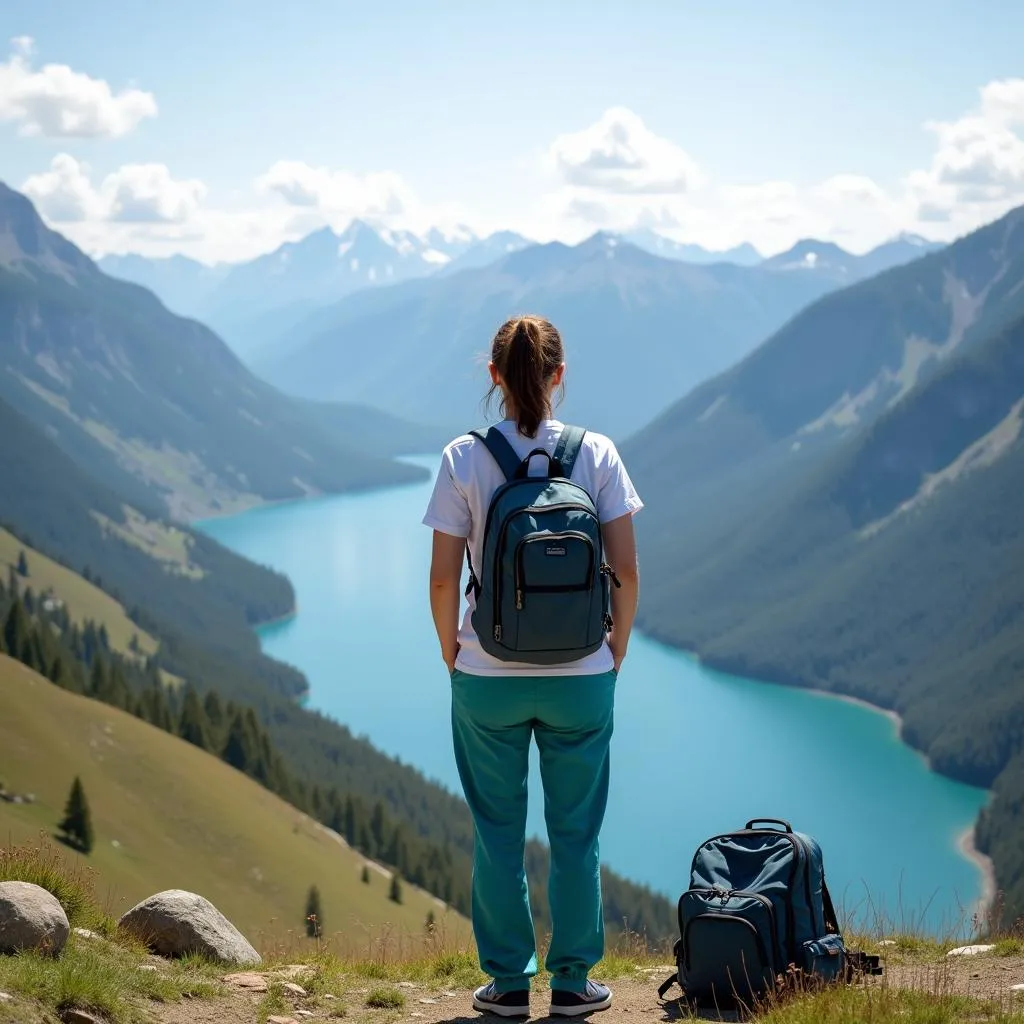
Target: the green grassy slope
(181, 819)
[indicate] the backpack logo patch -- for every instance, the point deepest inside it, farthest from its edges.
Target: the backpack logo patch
(555, 549)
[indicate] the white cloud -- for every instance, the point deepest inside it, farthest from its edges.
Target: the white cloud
(64, 193)
(57, 102)
(977, 171)
(147, 194)
(850, 187)
(619, 153)
(339, 193)
(133, 194)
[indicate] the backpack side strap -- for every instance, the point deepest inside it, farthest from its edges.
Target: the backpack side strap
(570, 442)
(501, 451)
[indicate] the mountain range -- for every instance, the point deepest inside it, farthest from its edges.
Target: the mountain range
(251, 302)
(259, 304)
(841, 510)
(638, 329)
(154, 405)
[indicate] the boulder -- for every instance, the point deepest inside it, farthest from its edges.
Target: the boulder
(971, 950)
(179, 923)
(31, 918)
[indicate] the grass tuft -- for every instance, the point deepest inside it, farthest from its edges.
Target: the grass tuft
(884, 1005)
(72, 883)
(102, 978)
(385, 997)
(1009, 947)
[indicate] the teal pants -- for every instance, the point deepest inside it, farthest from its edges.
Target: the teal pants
(493, 721)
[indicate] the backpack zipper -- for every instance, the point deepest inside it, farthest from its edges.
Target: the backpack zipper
(520, 583)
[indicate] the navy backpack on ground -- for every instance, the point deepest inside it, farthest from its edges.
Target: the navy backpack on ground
(757, 911)
(543, 590)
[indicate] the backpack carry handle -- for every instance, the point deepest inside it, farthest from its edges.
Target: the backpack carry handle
(554, 465)
(786, 827)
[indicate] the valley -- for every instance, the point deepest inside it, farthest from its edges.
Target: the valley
(824, 511)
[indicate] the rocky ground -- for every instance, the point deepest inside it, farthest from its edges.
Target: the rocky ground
(294, 994)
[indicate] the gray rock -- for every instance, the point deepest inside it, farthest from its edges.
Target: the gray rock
(178, 923)
(971, 950)
(80, 1017)
(31, 918)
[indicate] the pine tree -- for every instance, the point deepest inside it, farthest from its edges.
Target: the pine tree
(16, 632)
(430, 923)
(193, 725)
(377, 829)
(237, 751)
(22, 565)
(314, 914)
(350, 821)
(77, 823)
(214, 714)
(395, 892)
(366, 875)
(99, 680)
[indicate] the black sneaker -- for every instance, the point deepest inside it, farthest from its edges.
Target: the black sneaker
(504, 1004)
(573, 1004)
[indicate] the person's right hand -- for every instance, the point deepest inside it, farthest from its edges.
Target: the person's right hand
(618, 655)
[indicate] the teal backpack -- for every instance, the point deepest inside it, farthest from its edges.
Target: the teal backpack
(543, 592)
(758, 912)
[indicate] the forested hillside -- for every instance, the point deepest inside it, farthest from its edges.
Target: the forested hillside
(154, 405)
(890, 570)
(832, 369)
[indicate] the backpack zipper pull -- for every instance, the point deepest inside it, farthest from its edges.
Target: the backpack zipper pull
(519, 600)
(607, 570)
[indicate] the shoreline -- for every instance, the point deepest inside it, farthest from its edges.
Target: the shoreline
(985, 904)
(981, 909)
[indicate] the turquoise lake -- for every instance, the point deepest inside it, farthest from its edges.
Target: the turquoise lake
(364, 638)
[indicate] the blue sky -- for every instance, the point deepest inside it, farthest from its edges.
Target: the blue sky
(765, 118)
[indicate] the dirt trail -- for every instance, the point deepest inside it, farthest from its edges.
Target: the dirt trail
(982, 976)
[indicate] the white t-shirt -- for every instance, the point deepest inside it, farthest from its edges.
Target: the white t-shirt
(465, 483)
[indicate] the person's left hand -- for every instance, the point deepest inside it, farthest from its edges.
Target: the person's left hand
(449, 660)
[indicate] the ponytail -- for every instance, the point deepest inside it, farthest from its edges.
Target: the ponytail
(527, 352)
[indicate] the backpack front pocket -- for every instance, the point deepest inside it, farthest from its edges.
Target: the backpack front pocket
(727, 948)
(554, 586)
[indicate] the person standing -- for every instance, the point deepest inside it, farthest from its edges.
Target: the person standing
(504, 696)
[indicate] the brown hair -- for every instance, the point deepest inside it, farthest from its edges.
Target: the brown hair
(527, 351)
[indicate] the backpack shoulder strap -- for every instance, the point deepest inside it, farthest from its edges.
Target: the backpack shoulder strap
(570, 442)
(501, 451)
